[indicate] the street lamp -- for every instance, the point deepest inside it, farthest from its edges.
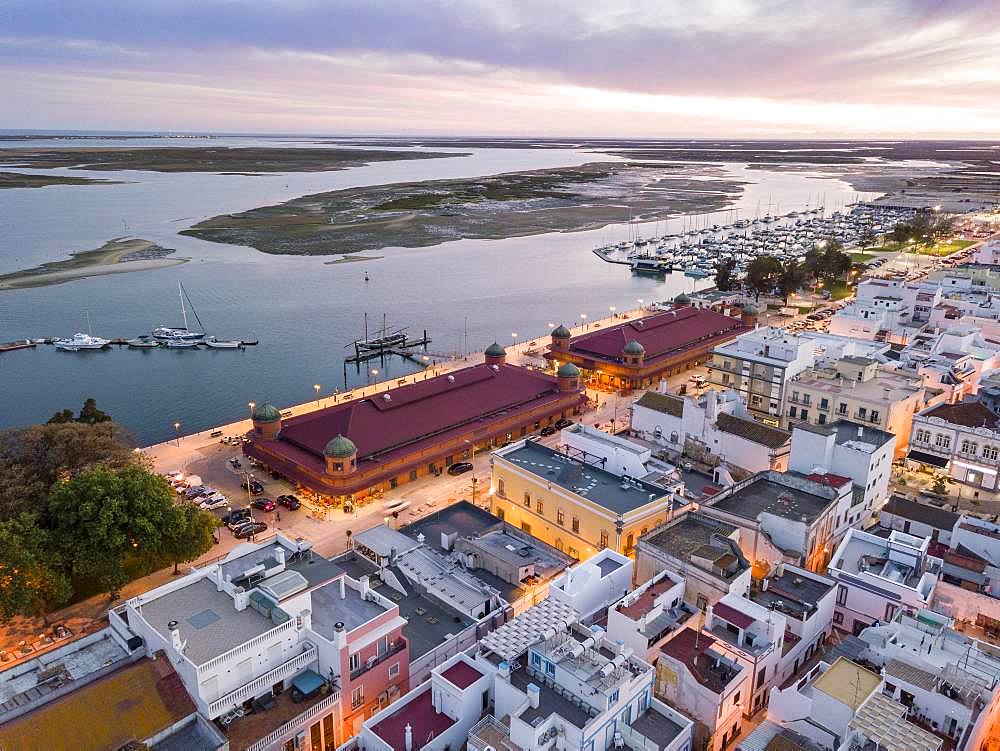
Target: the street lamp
(583, 319)
(250, 406)
(612, 309)
(373, 375)
(177, 432)
(514, 336)
(316, 386)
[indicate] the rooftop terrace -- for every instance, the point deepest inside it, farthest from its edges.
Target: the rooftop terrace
(593, 483)
(764, 494)
(353, 610)
(419, 713)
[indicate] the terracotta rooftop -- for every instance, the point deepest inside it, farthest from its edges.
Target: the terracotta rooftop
(131, 704)
(753, 431)
(731, 614)
(462, 674)
(425, 723)
(689, 648)
(969, 414)
(645, 601)
(829, 479)
(665, 403)
(661, 335)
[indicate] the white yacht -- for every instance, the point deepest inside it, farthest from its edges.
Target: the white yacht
(81, 341)
(181, 333)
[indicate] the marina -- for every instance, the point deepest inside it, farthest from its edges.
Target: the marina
(697, 252)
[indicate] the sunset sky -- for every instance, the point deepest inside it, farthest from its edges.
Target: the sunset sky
(667, 68)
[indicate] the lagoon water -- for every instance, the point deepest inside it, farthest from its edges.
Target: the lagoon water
(303, 311)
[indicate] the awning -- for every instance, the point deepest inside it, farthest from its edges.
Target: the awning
(307, 681)
(934, 461)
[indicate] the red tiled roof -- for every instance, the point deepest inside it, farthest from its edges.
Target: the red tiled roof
(645, 602)
(829, 479)
(415, 416)
(687, 644)
(969, 414)
(661, 335)
(734, 616)
(462, 674)
(964, 561)
(419, 714)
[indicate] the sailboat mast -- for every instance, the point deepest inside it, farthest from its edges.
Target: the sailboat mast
(184, 315)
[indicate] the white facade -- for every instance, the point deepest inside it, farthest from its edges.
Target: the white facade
(592, 585)
(966, 436)
(645, 617)
(878, 577)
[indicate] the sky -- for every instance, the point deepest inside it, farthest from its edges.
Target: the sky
(562, 68)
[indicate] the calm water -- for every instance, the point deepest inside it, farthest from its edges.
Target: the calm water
(303, 312)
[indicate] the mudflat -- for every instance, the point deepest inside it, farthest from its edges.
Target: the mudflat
(21, 180)
(204, 159)
(114, 257)
(512, 204)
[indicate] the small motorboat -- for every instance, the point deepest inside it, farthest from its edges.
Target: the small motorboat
(142, 342)
(222, 344)
(181, 343)
(79, 342)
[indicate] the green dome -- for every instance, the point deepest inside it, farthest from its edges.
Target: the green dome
(634, 348)
(266, 412)
(340, 448)
(495, 350)
(561, 332)
(682, 299)
(568, 370)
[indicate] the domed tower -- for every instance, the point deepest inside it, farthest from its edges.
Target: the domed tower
(634, 353)
(569, 377)
(341, 456)
(266, 421)
(749, 315)
(560, 339)
(682, 300)
(495, 354)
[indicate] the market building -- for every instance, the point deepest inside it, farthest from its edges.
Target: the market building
(356, 448)
(637, 353)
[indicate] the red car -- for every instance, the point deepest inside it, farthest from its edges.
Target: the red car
(264, 504)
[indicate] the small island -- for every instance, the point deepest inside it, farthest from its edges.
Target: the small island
(22, 180)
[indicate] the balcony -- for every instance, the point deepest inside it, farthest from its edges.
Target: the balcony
(262, 683)
(264, 730)
(490, 733)
(394, 649)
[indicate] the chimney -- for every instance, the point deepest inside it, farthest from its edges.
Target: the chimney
(421, 538)
(661, 387)
(304, 620)
(175, 638)
(861, 431)
(534, 694)
(240, 598)
(365, 588)
(505, 670)
(339, 635)
(343, 588)
(408, 739)
(279, 555)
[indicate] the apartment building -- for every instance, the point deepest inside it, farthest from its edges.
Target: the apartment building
(878, 577)
(758, 365)
(648, 615)
(715, 429)
(593, 585)
(270, 639)
(574, 505)
(961, 439)
(948, 682)
(856, 389)
(701, 551)
(785, 517)
(862, 454)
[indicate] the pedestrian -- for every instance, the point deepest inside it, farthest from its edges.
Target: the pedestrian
(277, 515)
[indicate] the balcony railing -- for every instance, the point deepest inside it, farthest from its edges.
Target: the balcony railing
(302, 721)
(265, 681)
(394, 649)
(245, 647)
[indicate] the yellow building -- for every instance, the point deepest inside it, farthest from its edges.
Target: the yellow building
(576, 507)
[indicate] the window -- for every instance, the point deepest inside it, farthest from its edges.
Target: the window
(576, 524)
(791, 412)
(824, 403)
(357, 697)
(890, 611)
(990, 452)
(355, 661)
(842, 408)
(413, 474)
(736, 698)
(923, 436)
(755, 401)
(838, 617)
(527, 499)
(795, 396)
(526, 527)
(500, 490)
(604, 538)
(538, 505)
(394, 670)
(760, 677)
(862, 412)
(875, 415)
(841, 595)
(560, 518)
(806, 399)
(804, 414)
(969, 447)
(573, 553)
(702, 602)
(942, 441)
(822, 420)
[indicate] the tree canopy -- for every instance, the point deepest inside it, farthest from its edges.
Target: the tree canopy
(89, 414)
(924, 228)
(827, 262)
(725, 275)
(763, 274)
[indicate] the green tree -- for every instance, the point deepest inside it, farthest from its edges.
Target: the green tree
(34, 459)
(91, 415)
(192, 536)
(30, 584)
(792, 277)
(101, 519)
(763, 274)
(902, 232)
(939, 486)
(725, 275)
(866, 239)
(63, 416)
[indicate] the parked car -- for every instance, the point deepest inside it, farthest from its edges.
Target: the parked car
(290, 502)
(192, 493)
(563, 423)
(216, 500)
(249, 529)
(237, 517)
(256, 486)
(264, 504)
(549, 430)
(459, 468)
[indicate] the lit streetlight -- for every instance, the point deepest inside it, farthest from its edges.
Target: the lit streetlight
(316, 387)
(373, 375)
(250, 406)
(514, 336)
(583, 319)
(612, 309)
(177, 432)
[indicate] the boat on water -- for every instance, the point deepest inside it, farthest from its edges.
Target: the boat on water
(180, 333)
(143, 342)
(395, 339)
(181, 343)
(650, 266)
(81, 341)
(697, 273)
(221, 343)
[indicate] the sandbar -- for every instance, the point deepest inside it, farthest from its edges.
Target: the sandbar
(22, 180)
(116, 256)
